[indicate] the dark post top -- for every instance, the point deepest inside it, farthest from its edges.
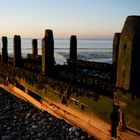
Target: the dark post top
(4, 49)
(49, 37)
(48, 52)
(34, 47)
(17, 50)
(17, 41)
(116, 43)
(73, 47)
(4, 41)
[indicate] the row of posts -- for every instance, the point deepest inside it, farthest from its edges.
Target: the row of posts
(47, 50)
(126, 50)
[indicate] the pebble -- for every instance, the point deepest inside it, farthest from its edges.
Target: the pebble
(22, 121)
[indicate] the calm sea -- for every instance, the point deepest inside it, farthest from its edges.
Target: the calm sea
(91, 50)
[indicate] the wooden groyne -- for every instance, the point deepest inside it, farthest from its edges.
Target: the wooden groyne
(79, 84)
(59, 111)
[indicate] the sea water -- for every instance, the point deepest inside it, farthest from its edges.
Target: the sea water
(99, 50)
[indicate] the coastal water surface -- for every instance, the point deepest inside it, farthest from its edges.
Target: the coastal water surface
(99, 50)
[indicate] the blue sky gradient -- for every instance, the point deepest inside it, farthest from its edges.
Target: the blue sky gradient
(84, 18)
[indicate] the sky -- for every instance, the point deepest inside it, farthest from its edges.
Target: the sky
(84, 18)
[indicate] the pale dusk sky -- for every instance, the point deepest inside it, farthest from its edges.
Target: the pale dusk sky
(84, 18)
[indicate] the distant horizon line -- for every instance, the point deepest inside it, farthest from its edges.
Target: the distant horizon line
(65, 38)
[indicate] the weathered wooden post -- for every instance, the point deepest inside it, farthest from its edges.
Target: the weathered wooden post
(116, 43)
(34, 47)
(73, 47)
(128, 66)
(4, 49)
(17, 50)
(48, 52)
